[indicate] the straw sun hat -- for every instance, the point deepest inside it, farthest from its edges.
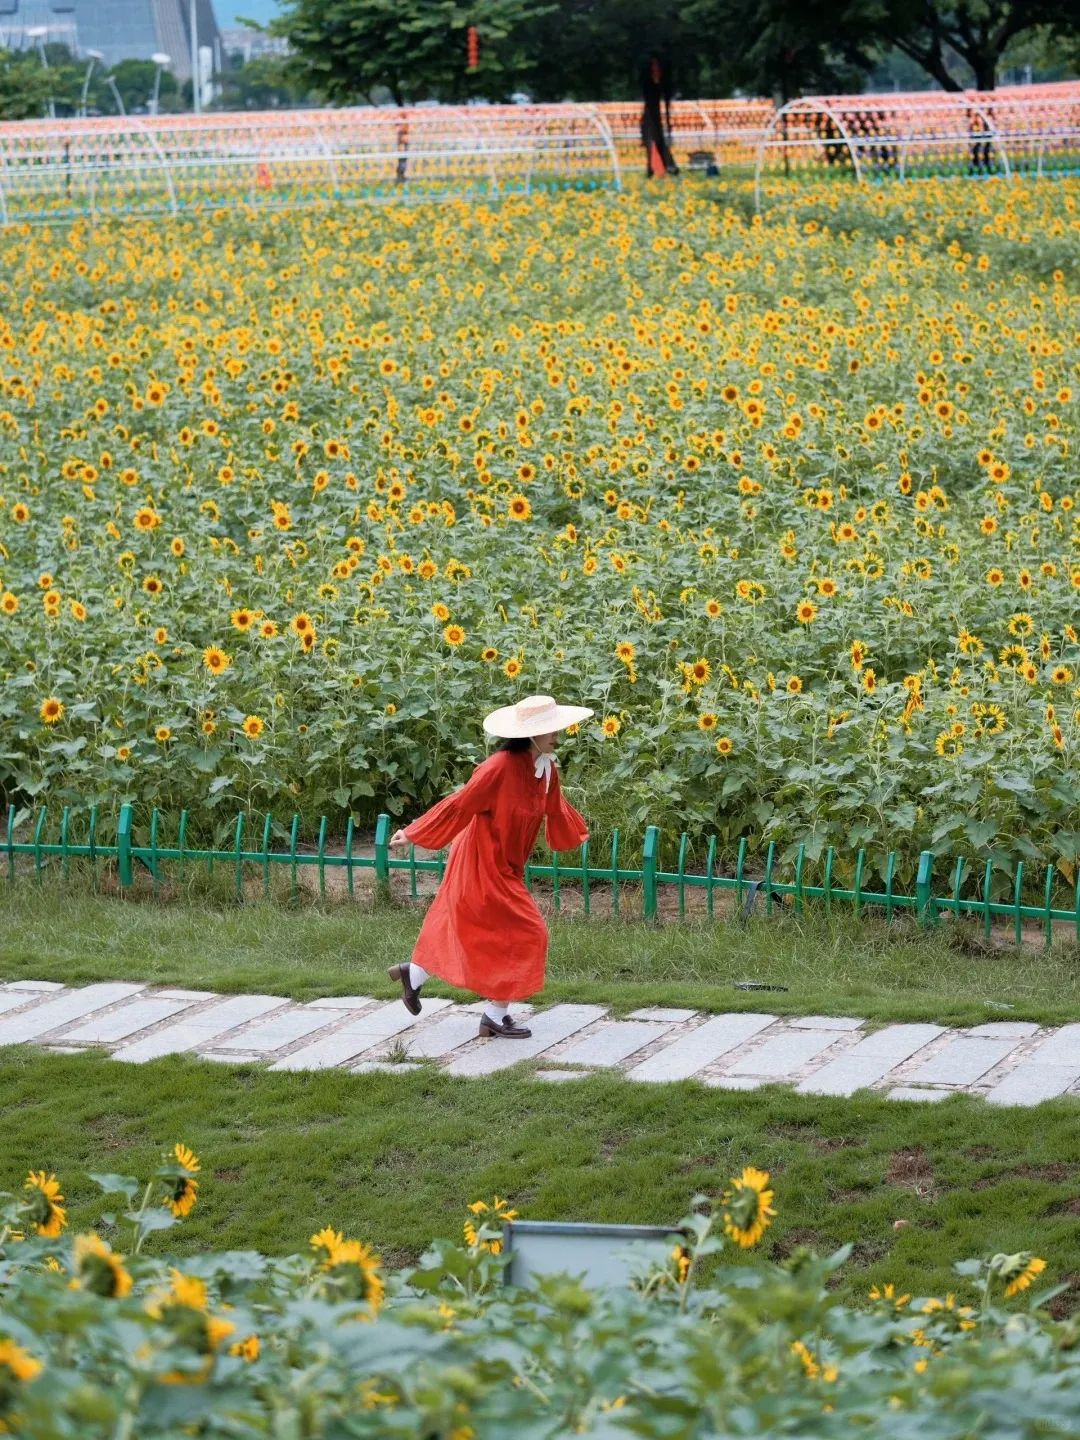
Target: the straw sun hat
(535, 715)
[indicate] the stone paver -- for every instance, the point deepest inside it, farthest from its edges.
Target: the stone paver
(367, 1066)
(1060, 1048)
(824, 1022)
(697, 1048)
(62, 1010)
(12, 999)
(342, 1002)
(283, 1028)
(1004, 1029)
(548, 1027)
(353, 1039)
(870, 1060)
(661, 1013)
(1009, 1062)
(1030, 1082)
(784, 1054)
(963, 1060)
(447, 1034)
(612, 1043)
(195, 1031)
(124, 1021)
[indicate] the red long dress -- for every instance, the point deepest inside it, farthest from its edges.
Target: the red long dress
(483, 931)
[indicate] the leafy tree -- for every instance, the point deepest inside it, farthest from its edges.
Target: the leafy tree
(790, 47)
(135, 82)
(261, 83)
(25, 86)
(593, 49)
(416, 49)
(979, 31)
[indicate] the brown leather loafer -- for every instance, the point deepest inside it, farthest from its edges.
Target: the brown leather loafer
(410, 997)
(507, 1027)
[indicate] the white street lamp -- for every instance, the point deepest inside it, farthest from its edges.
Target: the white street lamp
(92, 55)
(162, 61)
(193, 26)
(38, 33)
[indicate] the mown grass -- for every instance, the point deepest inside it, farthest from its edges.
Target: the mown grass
(830, 964)
(395, 1158)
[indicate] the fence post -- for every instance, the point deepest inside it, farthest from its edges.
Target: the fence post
(924, 897)
(648, 870)
(382, 857)
(123, 844)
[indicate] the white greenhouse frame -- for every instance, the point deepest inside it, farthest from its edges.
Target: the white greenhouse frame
(52, 170)
(885, 134)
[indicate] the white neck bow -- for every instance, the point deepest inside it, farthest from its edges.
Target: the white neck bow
(543, 768)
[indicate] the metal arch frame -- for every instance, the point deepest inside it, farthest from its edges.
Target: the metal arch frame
(807, 105)
(141, 126)
(964, 102)
(331, 158)
(609, 141)
(541, 117)
(484, 149)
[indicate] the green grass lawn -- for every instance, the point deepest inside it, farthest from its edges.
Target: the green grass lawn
(394, 1159)
(833, 965)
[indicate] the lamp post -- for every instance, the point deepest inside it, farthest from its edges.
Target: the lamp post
(161, 60)
(193, 26)
(38, 33)
(92, 55)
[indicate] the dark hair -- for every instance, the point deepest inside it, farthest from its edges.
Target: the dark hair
(517, 744)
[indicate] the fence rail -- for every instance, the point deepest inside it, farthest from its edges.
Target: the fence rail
(648, 875)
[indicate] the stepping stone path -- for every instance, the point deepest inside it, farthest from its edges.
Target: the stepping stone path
(1006, 1062)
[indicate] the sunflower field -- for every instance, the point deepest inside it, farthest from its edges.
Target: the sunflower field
(288, 502)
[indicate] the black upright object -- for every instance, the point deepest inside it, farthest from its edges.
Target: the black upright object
(657, 89)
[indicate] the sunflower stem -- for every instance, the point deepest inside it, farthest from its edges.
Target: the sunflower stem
(140, 1233)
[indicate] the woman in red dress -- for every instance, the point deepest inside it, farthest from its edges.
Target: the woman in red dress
(483, 931)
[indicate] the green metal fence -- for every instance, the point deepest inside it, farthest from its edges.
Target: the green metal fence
(969, 893)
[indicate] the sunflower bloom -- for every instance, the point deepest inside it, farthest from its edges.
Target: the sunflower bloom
(45, 1209)
(748, 1208)
(98, 1269)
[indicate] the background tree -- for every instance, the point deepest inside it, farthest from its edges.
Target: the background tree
(978, 31)
(592, 50)
(264, 82)
(415, 49)
(25, 86)
(790, 47)
(135, 82)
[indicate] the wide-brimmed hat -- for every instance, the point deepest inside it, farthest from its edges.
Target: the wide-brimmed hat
(535, 715)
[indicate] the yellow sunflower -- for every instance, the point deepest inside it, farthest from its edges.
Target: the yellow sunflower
(748, 1208)
(45, 1210)
(98, 1269)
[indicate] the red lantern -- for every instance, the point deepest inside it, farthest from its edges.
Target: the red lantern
(472, 41)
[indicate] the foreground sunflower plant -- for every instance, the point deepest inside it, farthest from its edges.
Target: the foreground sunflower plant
(97, 1343)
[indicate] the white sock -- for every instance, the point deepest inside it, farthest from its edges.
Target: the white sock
(494, 1010)
(417, 975)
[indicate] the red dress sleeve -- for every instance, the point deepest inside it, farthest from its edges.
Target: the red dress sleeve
(438, 826)
(566, 827)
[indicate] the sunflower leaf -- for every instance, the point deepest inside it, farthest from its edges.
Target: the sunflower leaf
(116, 1184)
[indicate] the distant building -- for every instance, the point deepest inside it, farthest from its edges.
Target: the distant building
(119, 29)
(251, 44)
